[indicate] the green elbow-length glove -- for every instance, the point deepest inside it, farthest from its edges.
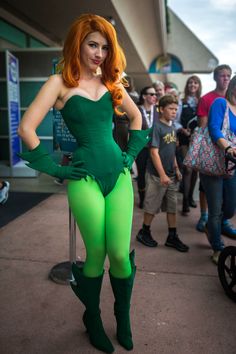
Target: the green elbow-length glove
(137, 140)
(40, 160)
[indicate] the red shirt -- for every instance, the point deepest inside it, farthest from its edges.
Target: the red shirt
(205, 103)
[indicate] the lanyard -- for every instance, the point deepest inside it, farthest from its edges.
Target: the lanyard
(148, 117)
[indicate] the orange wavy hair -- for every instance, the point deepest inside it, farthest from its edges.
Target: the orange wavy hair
(114, 64)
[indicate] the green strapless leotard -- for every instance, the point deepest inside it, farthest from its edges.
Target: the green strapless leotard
(90, 122)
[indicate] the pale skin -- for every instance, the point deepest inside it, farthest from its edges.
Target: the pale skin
(222, 82)
(150, 99)
(167, 115)
(54, 93)
(160, 90)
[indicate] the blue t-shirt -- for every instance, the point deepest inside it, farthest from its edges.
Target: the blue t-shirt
(216, 117)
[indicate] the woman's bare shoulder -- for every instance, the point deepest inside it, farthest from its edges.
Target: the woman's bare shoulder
(56, 82)
(56, 79)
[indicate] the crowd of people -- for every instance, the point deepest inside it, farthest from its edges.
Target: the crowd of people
(160, 164)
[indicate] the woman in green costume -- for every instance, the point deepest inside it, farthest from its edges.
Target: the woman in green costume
(100, 190)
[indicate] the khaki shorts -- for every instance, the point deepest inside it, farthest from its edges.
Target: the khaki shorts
(159, 197)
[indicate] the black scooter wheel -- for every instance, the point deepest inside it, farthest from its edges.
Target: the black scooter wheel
(227, 271)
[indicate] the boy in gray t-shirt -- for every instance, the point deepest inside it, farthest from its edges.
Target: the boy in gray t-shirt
(164, 139)
(162, 177)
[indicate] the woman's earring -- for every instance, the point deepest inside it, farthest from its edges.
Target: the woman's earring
(98, 71)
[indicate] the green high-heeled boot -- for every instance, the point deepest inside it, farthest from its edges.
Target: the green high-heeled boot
(122, 289)
(88, 291)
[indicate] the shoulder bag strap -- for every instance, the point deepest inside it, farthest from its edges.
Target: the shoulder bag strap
(226, 125)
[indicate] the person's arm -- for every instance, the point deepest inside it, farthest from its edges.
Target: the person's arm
(224, 145)
(177, 171)
(154, 153)
(202, 121)
(37, 111)
(216, 118)
(37, 156)
(185, 131)
(202, 113)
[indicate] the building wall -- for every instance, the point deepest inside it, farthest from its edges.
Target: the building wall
(11, 36)
(194, 55)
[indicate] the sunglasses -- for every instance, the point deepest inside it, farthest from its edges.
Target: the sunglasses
(150, 94)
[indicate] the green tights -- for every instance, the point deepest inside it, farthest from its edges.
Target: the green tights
(104, 223)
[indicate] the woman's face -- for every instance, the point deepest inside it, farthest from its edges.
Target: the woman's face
(193, 87)
(150, 96)
(160, 91)
(93, 52)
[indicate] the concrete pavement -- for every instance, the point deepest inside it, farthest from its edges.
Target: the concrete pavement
(178, 305)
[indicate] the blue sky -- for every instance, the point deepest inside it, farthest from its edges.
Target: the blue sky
(214, 23)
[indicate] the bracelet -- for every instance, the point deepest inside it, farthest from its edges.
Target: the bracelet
(228, 147)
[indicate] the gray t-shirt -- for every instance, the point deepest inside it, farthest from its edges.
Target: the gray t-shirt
(163, 138)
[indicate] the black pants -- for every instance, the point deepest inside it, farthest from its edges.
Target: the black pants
(141, 162)
(189, 177)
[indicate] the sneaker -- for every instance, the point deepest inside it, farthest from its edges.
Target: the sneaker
(146, 239)
(227, 229)
(201, 224)
(175, 242)
(192, 203)
(59, 182)
(215, 257)
(185, 211)
(4, 192)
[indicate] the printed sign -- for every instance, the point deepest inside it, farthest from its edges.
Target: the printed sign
(62, 138)
(13, 97)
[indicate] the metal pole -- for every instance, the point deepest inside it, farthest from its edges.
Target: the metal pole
(72, 243)
(61, 272)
